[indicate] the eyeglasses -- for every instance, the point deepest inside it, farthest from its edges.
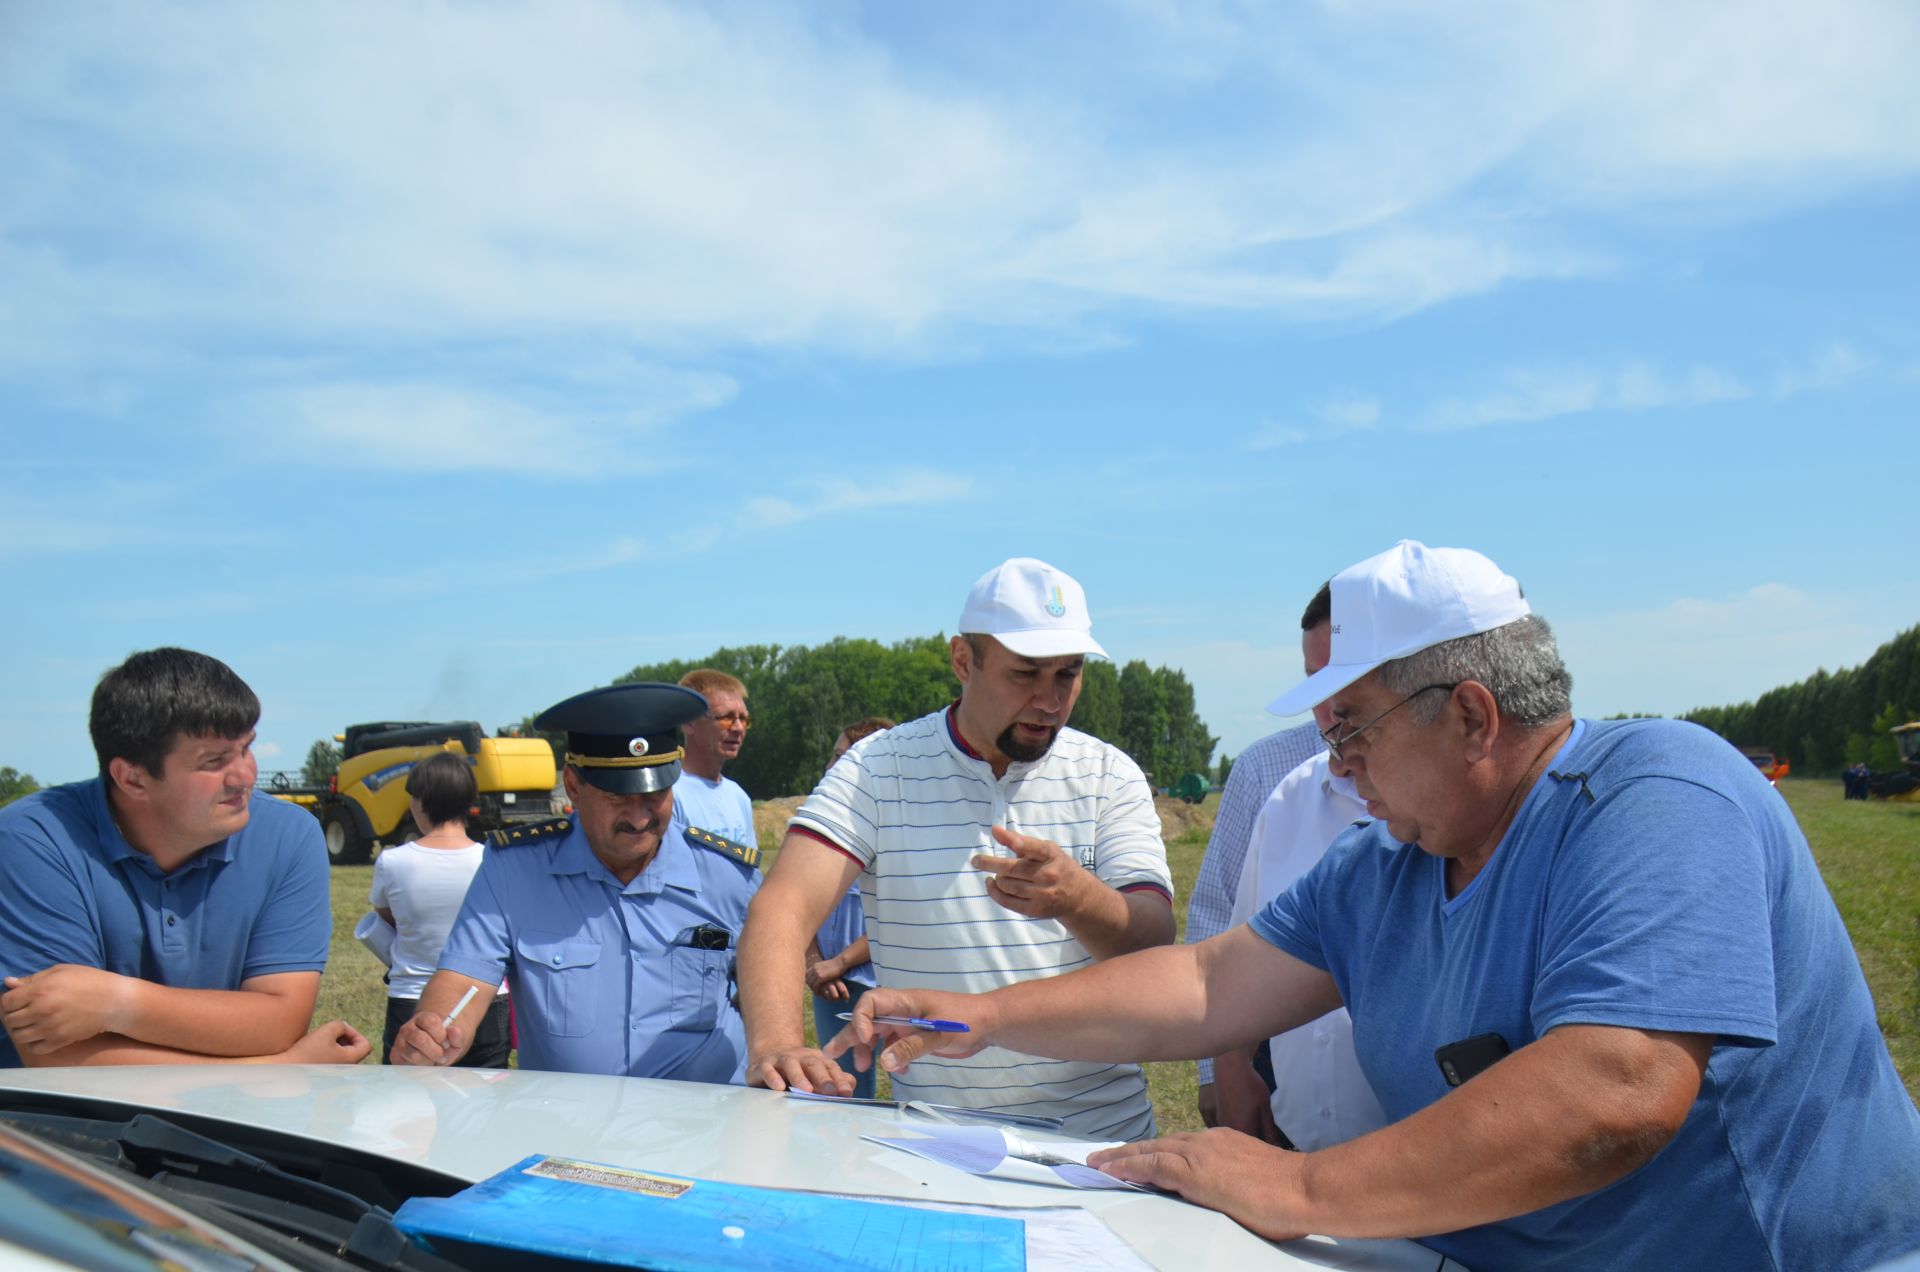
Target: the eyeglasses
(732, 718)
(1335, 739)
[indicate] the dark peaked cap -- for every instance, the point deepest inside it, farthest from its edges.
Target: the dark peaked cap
(625, 739)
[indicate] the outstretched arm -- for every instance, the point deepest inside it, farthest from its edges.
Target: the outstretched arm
(1173, 1002)
(805, 884)
(1563, 1116)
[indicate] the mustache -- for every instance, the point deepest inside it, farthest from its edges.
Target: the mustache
(625, 827)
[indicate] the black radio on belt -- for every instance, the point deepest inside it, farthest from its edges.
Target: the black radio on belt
(709, 937)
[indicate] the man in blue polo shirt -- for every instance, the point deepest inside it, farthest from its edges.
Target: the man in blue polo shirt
(162, 913)
(1594, 975)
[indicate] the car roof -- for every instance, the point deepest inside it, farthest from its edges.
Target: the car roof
(473, 1123)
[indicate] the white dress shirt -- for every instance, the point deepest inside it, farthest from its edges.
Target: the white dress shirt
(1320, 1096)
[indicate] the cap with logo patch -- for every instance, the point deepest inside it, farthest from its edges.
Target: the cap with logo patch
(1404, 600)
(1033, 609)
(625, 739)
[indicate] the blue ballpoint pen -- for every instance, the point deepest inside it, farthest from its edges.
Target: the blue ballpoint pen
(916, 1022)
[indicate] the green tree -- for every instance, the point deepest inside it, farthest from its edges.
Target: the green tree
(801, 697)
(14, 784)
(1226, 769)
(323, 761)
(1883, 753)
(1816, 723)
(1098, 710)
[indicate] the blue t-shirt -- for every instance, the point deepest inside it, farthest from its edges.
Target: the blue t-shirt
(606, 977)
(253, 904)
(1654, 880)
(846, 924)
(721, 807)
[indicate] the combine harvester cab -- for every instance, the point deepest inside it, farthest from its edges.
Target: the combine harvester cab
(367, 804)
(1902, 783)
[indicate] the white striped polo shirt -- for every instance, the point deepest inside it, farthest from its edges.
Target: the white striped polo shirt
(913, 804)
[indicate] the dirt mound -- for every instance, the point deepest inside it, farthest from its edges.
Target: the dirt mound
(770, 818)
(1177, 817)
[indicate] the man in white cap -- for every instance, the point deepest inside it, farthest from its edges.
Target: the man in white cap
(993, 845)
(1593, 972)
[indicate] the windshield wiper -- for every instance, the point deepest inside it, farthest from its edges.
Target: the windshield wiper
(222, 1183)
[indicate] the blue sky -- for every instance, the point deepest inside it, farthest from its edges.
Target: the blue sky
(440, 360)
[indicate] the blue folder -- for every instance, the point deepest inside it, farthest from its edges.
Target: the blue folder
(555, 1212)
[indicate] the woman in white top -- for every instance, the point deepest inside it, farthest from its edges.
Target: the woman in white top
(418, 887)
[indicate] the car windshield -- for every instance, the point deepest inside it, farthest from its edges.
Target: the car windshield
(89, 1186)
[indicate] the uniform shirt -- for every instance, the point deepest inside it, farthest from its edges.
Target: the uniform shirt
(252, 904)
(609, 978)
(1255, 774)
(1320, 1096)
(721, 807)
(913, 805)
(1651, 879)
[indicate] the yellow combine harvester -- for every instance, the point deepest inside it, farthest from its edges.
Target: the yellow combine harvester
(366, 803)
(1902, 783)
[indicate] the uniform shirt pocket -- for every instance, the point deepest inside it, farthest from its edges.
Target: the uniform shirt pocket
(557, 979)
(696, 987)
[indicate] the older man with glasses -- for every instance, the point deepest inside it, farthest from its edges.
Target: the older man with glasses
(703, 799)
(1594, 974)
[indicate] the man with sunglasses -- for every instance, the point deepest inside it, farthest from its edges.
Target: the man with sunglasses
(1594, 974)
(702, 797)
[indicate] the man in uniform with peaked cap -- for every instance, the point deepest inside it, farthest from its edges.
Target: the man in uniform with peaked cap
(617, 937)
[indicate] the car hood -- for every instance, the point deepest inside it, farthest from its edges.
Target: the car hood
(473, 1123)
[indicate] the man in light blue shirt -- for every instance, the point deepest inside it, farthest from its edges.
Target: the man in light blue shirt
(615, 933)
(702, 798)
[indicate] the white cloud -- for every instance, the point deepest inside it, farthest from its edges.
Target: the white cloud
(1268, 435)
(1833, 367)
(1343, 414)
(835, 497)
(686, 178)
(102, 515)
(1351, 412)
(1700, 651)
(432, 427)
(1529, 394)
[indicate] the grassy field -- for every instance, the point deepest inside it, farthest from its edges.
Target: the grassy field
(1869, 852)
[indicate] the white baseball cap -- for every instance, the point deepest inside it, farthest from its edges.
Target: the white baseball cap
(1033, 609)
(1406, 599)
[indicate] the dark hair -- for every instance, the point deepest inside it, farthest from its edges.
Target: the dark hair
(866, 727)
(444, 785)
(1320, 609)
(142, 705)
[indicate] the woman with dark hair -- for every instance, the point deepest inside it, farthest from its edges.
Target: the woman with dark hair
(418, 887)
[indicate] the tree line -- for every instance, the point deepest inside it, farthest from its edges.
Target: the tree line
(801, 697)
(1830, 720)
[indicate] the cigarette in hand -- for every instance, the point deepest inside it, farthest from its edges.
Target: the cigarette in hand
(461, 1005)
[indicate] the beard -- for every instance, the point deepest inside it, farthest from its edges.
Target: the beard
(1013, 748)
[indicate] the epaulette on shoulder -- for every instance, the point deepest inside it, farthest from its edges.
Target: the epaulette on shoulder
(529, 833)
(742, 853)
